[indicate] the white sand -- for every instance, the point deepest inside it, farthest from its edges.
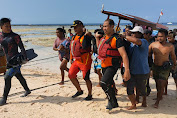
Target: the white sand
(50, 100)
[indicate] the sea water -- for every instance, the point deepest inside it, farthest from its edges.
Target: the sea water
(49, 30)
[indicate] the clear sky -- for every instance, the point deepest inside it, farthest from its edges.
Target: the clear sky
(88, 11)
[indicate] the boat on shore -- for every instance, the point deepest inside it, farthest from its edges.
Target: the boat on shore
(134, 19)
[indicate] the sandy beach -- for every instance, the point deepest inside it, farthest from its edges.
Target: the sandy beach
(51, 100)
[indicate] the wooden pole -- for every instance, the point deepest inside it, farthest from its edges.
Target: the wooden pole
(158, 20)
(118, 25)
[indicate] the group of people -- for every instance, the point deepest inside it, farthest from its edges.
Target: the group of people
(135, 52)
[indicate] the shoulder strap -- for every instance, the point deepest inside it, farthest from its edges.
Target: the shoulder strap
(79, 37)
(74, 37)
(110, 38)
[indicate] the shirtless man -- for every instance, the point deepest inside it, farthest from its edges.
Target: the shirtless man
(161, 67)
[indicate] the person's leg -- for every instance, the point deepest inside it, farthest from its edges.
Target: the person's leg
(107, 85)
(23, 83)
(7, 77)
(144, 104)
(161, 86)
(133, 101)
(86, 76)
(115, 89)
(6, 89)
(165, 88)
(148, 87)
(130, 91)
(87, 80)
(63, 67)
(174, 75)
(141, 85)
(74, 69)
(99, 75)
(176, 86)
(137, 96)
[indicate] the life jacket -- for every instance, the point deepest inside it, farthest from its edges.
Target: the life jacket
(76, 48)
(105, 50)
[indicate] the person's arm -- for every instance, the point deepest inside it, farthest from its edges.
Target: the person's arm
(120, 46)
(150, 50)
(134, 40)
(21, 46)
(87, 40)
(55, 47)
(98, 37)
(150, 60)
(173, 57)
(126, 62)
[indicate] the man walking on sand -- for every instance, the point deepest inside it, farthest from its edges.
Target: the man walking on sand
(161, 67)
(111, 52)
(10, 42)
(139, 68)
(80, 58)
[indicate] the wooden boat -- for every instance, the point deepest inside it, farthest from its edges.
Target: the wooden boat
(135, 20)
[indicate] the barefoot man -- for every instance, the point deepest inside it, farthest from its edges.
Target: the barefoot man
(161, 67)
(139, 68)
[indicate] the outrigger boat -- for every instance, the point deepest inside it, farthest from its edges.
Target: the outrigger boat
(134, 19)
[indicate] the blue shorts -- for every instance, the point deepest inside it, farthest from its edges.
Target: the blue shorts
(13, 71)
(97, 66)
(96, 61)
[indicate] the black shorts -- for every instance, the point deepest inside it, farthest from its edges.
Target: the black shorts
(139, 81)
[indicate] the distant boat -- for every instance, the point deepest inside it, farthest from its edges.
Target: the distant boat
(169, 23)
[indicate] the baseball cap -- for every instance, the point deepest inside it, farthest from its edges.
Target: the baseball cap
(137, 29)
(76, 22)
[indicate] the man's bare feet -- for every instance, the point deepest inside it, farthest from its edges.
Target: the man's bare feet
(155, 106)
(137, 101)
(165, 93)
(144, 105)
(156, 98)
(61, 83)
(131, 107)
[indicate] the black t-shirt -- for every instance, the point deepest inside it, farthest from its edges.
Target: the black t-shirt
(86, 42)
(175, 46)
(122, 42)
(94, 44)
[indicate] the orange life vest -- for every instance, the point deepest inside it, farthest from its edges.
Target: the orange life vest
(105, 49)
(76, 48)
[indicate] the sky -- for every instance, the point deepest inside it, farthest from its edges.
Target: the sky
(88, 11)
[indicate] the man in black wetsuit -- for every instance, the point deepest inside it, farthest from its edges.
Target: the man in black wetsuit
(10, 41)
